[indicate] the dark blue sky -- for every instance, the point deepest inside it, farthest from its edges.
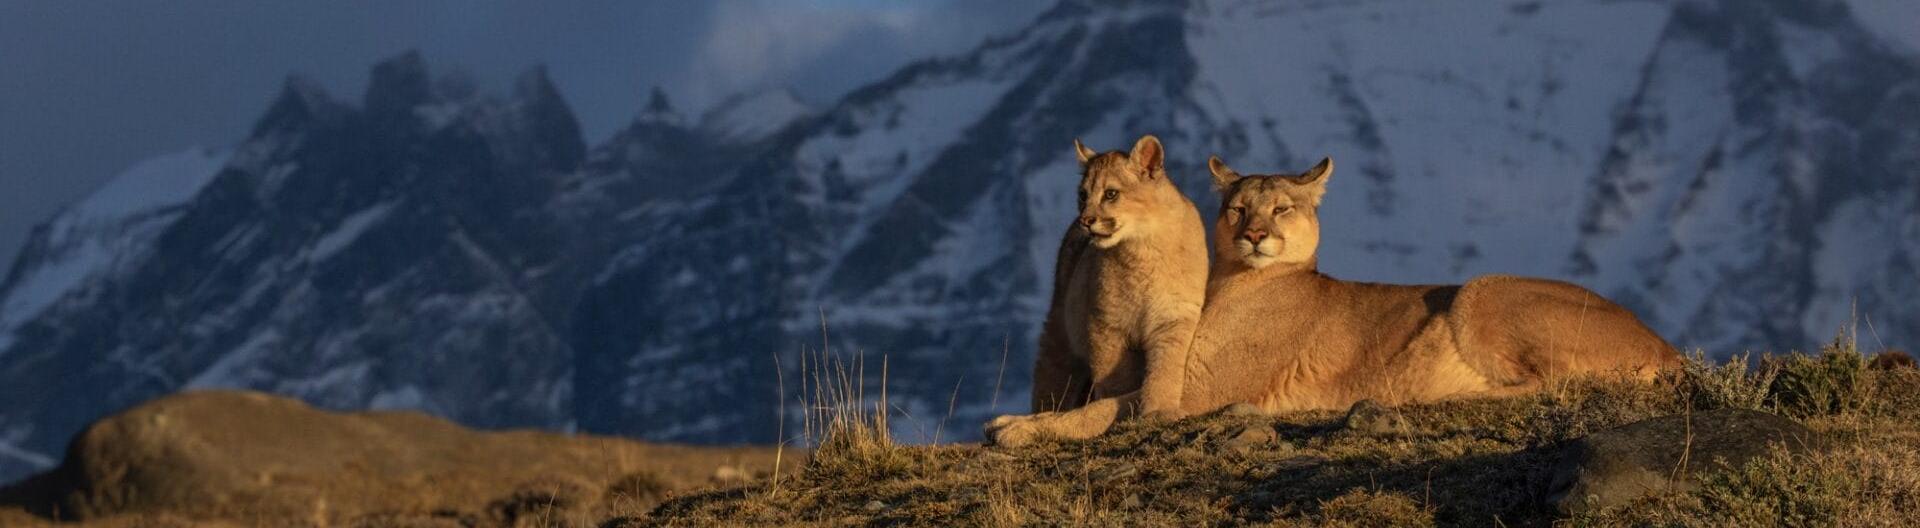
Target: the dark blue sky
(89, 88)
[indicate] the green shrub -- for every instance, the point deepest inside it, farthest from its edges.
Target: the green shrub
(1807, 386)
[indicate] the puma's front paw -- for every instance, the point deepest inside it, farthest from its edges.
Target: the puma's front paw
(1160, 416)
(1016, 431)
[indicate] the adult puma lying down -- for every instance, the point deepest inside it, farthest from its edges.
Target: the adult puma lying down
(1277, 333)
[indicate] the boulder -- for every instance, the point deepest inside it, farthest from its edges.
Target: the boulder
(244, 455)
(1618, 465)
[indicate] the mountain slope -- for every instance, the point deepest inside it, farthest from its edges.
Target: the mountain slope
(1776, 208)
(116, 224)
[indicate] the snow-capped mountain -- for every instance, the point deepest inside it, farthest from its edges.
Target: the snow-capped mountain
(107, 234)
(1742, 173)
(113, 227)
(404, 253)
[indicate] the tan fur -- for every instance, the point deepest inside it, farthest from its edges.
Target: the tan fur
(1277, 333)
(1127, 287)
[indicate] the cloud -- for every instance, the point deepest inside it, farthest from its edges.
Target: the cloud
(757, 44)
(823, 50)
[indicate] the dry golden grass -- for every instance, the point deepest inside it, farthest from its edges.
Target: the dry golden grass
(1461, 463)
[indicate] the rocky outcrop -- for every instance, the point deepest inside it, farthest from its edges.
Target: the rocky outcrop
(1614, 466)
(245, 455)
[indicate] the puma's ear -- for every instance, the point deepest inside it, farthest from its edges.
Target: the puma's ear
(1148, 154)
(1319, 173)
(1223, 176)
(1315, 180)
(1084, 152)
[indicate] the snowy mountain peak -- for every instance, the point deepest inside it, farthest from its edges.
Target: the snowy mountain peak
(114, 226)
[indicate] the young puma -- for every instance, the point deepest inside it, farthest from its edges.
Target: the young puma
(1127, 288)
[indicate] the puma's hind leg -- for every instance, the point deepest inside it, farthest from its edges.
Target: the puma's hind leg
(1521, 330)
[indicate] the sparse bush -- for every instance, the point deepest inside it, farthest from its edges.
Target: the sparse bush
(1734, 384)
(1896, 394)
(1585, 405)
(1858, 486)
(1779, 488)
(1805, 386)
(850, 437)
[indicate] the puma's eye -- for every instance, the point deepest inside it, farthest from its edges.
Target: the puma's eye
(1282, 210)
(1236, 211)
(1110, 195)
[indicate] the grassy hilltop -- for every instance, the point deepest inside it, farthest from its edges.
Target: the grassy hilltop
(237, 460)
(1465, 463)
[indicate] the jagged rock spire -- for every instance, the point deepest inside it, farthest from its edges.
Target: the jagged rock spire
(551, 120)
(397, 85)
(659, 110)
(301, 102)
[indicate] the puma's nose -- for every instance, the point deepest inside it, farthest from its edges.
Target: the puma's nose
(1086, 221)
(1254, 235)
